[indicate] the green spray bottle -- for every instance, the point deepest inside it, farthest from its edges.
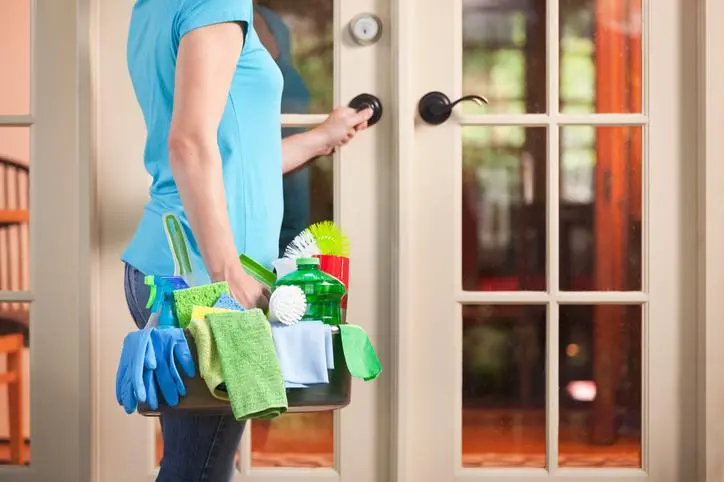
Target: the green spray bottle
(160, 299)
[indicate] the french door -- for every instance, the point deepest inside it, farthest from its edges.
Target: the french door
(523, 267)
(44, 222)
(544, 295)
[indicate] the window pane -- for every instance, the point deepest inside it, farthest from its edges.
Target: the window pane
(503, 208)
(600, 208)
(14, 393)
(14, 208)
(504, 57)
(600, 53)
(294, 441)
(600, 386)
(299, 36)
(15, 57)
(504, 386)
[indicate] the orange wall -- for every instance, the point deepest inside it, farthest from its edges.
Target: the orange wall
(15, 84)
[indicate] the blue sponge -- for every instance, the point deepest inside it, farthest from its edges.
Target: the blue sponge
(227, 302)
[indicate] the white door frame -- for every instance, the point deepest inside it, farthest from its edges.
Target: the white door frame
(710, 389)
(59, 243)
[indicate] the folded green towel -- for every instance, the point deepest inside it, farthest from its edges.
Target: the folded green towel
(205, 295)
(209, 361)
(359, 354)
(249, 363)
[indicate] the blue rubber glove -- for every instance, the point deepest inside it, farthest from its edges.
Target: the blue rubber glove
(137, 361)
(151, 390)
(171, 347)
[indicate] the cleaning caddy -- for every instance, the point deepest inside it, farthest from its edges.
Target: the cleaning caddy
(204, 352)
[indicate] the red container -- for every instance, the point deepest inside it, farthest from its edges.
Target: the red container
(337, 266)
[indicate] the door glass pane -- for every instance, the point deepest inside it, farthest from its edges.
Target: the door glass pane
(14, 276)
(14, 383)
(600, 208)
(294, 440)
(14, 208)
(504, 386)
(300, 36)
(15, 57)
(600, 56)
(504, 56)
(504, 208)
(600, 386)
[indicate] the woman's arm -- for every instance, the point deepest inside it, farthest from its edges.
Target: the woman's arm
(205, 66)
(339, 128)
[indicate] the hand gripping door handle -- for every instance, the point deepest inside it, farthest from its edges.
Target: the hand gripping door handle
(363, 101)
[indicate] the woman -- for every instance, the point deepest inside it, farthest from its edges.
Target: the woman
(210, 94)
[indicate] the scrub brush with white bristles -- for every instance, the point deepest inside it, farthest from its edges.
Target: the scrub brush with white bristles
(304, 245)
(287, 304)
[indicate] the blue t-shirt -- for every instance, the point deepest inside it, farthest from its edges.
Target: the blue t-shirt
(295, 100)
(249, 136)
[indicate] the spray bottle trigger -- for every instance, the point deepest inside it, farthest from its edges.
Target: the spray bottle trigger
(151, 283)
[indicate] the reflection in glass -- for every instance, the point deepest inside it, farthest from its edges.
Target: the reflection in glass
(294, 441)
(504, 55)
(600, 386)
(504, 208)
(504, 386)
(14, 208)
(299, 36)
(600, 53)
(14, 276)
(14, 383)
(15, 57)
(600, 208)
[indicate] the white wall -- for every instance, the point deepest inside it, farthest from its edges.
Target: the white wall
(121, 191)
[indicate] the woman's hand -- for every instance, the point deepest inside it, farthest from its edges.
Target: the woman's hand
(341, 126)
(247, 291)
(337, 130)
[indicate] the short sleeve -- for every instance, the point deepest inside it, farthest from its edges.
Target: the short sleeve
(195, 14)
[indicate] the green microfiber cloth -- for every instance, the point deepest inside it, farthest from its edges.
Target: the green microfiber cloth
(209, 361)
(359, 354)
(249, 363)
(204, 295)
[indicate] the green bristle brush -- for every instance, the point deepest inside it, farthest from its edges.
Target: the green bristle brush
(330, 239)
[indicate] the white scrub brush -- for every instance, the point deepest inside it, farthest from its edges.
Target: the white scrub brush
(287, 304)
(304, 245)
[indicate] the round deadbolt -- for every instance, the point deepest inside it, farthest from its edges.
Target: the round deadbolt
(365, 29)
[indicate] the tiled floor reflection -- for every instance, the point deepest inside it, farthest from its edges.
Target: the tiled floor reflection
(488, 439)
(495, 439)
(294, 441)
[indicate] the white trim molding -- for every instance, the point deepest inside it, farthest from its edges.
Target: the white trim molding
(710, 391)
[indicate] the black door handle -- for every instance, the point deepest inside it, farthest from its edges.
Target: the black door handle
(436, 107)
(363, 101)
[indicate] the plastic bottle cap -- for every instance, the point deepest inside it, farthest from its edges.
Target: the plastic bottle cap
(307, 261)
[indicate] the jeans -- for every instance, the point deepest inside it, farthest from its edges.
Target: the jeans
(196, 448)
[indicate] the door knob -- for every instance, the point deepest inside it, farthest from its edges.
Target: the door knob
(436, 107)
(363, 101)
